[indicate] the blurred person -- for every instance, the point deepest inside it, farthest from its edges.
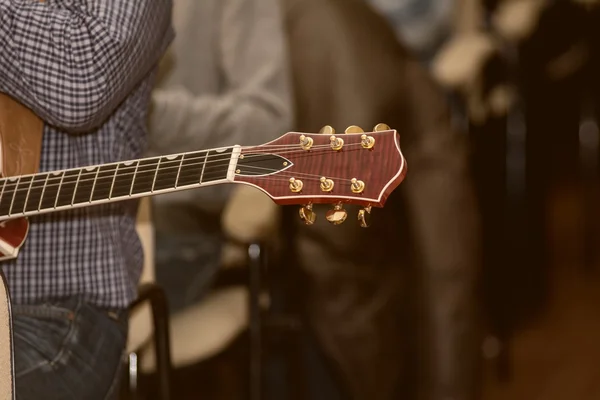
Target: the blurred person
(415, 268)
(422, 25)
(224, 81)
(86, 69)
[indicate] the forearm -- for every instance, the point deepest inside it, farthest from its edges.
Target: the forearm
(183, 122)
(73, 63)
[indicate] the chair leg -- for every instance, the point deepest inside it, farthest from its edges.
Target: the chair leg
(133, 375)
(255, 257)
(162, 340)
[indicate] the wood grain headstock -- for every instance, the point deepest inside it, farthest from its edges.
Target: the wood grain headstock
(355, 167)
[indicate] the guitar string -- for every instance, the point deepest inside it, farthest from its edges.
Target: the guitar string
(151, 168)
(144, 180)
(283, 177)
(202, 154)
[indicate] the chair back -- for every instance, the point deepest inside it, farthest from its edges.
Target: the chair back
(140, 319)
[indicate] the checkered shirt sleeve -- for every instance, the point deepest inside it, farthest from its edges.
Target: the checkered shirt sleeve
(86, 68)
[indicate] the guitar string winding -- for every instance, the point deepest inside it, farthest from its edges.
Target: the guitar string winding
(202, 155)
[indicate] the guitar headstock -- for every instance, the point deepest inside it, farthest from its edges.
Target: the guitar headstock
(355, 167)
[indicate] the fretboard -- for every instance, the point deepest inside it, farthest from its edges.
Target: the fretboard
(73, 188)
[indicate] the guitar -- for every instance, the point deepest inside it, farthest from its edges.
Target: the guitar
(356, 167)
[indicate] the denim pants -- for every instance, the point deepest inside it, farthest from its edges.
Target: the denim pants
(68, 350)
(186, 266)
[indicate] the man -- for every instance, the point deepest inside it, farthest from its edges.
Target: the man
(224, 81)
(86, 68)
(350, 69)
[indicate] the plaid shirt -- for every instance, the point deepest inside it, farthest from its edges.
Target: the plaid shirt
(86, 68)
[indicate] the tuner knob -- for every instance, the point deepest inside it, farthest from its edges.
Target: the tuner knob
(357, 186)
(307, 215)
(296, 185)
(306, 142)
(337, 215)
(381, 127)
(327, 130)
(326, 184)
(364, 217)
(354, 129)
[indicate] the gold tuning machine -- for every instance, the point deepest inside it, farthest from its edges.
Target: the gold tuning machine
(381, 128)
(326, 184)
(353, 129)
(367, 142)
(364, 217)
(296, 185)
(327, 130)
(337, 215)
(357, 186)
(336, 143)
(307, 215)
(306, 142)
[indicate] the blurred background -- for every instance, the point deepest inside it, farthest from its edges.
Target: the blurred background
(480, 277)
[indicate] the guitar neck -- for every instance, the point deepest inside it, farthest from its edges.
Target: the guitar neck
(45, 192)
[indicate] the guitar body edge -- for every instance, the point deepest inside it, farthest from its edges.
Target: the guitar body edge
(13, 233)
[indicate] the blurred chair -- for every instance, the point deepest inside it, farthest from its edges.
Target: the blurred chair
(204, 330)
(149, 315)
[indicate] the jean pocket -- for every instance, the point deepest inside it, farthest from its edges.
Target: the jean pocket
(45, 311)
(41, 333)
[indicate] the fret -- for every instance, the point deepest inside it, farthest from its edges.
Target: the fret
(28, 192)
(35, 192)
(8, 191)
(4, 182)
(51, 191)
(94, 184)
(204, 167)
(104, 182)
(178, 170)
(168, 172)
(67, 187)
(217, 165)
(62, 176)
(155, 174)
(122, 186)
(85, 185)
(137, 165)
(16, 193)
(76, 184)
(43, 191)
(191, 168)
(144, 179)
(112, 186)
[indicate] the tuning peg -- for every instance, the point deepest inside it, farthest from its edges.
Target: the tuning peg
(381, 127)
(337, 215)
(353, 129)
(307, 215)
(364, 217)
(327, 130)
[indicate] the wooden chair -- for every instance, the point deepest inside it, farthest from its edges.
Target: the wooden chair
(249, 221)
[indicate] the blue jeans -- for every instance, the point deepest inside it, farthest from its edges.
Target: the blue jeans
(187, 266)
(68, 350)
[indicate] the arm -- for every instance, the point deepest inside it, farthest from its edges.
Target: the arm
(255, 104)
(73, 63)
